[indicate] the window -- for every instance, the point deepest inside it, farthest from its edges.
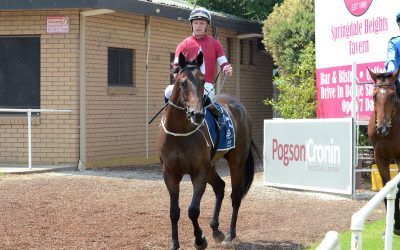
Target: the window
(228, 48)
(19, 72)
(251, 46)
(120, 64)
(171, 67)
(241, 51)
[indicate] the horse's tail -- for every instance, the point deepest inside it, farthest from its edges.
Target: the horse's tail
(257, 150)
(249, 170)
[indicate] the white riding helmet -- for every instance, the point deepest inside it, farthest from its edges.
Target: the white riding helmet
(200, 13)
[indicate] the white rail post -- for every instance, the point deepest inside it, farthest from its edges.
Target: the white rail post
(390, 198)
(356, 239)
(29, 138)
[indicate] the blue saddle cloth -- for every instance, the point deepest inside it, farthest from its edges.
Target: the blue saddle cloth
(227, 136)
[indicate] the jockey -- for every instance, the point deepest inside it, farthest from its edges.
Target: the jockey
(213, 54)
(393, 51)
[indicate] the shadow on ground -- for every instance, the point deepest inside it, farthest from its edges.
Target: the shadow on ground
(268, 245)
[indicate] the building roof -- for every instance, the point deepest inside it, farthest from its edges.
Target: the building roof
(171, 9)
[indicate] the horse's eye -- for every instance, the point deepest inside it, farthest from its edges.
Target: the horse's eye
(181, 82)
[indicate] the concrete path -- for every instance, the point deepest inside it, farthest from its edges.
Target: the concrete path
(24, 169)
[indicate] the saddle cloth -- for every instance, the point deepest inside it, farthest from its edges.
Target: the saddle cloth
(227, 135)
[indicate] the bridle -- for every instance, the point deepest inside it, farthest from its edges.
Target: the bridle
(395, 101)
(185, 108)
(187, 112)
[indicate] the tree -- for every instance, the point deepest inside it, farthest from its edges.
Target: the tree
(250, 9)
(289, 36)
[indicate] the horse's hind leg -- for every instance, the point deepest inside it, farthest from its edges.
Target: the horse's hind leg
(218, 186)
(172, 182)
(396, 229)
(199, 182)
(242, 174)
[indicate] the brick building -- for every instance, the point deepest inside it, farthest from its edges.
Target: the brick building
(108, 62)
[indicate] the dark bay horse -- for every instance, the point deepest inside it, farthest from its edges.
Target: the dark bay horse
(384, 128)
(184, 148)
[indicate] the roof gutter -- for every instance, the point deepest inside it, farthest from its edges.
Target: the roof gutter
(82, 82)
(146, 8)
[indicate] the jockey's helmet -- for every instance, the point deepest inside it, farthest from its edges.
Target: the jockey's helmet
(200, 13)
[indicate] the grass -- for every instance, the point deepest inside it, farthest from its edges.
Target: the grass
(372, 237)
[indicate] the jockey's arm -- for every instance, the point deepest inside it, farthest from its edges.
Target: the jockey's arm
(392, 58)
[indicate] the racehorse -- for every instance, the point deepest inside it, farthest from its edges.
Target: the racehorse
(384, 128)
(185, 148)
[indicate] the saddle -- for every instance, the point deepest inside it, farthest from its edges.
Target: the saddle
(226, 132)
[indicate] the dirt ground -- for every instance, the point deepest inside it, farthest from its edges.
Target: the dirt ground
(128, 208)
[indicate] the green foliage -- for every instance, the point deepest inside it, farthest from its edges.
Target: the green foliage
(297, 90)
(289, 36)
(249, 9)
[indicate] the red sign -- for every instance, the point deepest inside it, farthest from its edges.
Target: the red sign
(357, 7)
(57, 24)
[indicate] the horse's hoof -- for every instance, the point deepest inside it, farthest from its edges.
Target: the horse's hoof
(227, 244)
(396, 231)
(201, 246)
(229, 237)
(219, 236)
(174, 246)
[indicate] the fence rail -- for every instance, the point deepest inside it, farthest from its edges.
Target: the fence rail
(358, 219)
(29, 120)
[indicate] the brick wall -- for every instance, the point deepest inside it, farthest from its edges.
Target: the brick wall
(116, 118)
(55, 137)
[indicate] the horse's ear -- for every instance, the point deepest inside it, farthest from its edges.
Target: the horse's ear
(372, 74)
(199, 59)
(181, 60)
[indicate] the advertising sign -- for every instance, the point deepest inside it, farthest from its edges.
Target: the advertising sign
(310, 154)
(347, 32)
(57, 24)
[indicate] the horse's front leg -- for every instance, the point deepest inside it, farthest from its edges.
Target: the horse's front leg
(396, 229)
(218, 186)
(199, 182)
(172, 182)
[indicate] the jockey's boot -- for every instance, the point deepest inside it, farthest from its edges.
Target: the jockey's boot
(217, 115)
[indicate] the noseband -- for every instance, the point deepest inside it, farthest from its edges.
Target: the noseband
(394, 85)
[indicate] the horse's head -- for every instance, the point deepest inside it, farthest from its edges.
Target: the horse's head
(386, 99)
(188, 89)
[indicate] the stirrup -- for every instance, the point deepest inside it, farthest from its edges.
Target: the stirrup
(218, 116)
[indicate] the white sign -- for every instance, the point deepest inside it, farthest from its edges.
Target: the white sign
(309, 154)
(57, 24)
(347, 32)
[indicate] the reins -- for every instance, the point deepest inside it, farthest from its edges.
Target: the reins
(170, 103)
(184, 134)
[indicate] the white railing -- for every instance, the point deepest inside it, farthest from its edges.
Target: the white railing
(358, 219)
(330, 242)
(29, 113)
